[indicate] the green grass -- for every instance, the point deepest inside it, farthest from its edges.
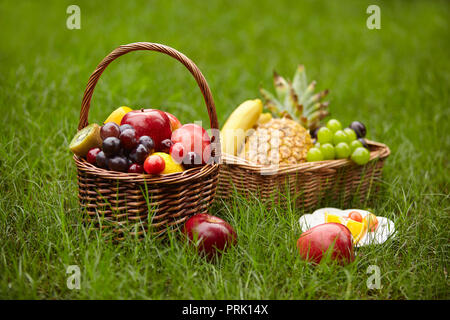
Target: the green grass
(395, 80)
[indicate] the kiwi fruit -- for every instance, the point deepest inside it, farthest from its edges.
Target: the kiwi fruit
(86, 139)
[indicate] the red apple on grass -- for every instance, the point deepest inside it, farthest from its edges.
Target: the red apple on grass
(210, 233)
(314, 243)
(194, 139)
(149, 122)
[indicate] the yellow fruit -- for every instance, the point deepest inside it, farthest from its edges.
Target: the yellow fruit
(358, 229)
(371, 222)
(171, 165)
(235, 129)
(279, 141)
(264, 118)
(117, 115)
(333, 218)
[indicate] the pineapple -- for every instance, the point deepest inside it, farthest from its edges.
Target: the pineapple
(285, 139)
(279, 141)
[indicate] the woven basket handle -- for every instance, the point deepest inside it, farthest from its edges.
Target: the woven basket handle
(201, 81)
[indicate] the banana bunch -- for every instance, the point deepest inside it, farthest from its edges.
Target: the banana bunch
(237, 126)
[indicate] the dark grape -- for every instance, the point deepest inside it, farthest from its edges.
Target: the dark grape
(148, 143)
(192, 159)
(109, 129)
(128, 139)
(165, 145)
(135, 168)
(125, 127)
(313, 133)
(139, 154)
(132, 156)
(102, 160)
(118, 163)
(359, 128)
(123, 152)
(364, 143)
(111, 146)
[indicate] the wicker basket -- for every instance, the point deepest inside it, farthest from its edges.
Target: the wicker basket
(133, 204)
(307, 184)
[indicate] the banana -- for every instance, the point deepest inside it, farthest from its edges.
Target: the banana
(235, 129)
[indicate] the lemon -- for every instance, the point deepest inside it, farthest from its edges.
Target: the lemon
(358, 229)
(171, 165)
(117, 115)
(333, 218)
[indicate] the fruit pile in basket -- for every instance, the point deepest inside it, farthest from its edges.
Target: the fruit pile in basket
(145, 140)
(285, 135)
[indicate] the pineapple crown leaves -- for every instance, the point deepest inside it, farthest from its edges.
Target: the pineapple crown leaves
(296, 99)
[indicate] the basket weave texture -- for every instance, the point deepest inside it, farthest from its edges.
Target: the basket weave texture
(134, 204)
(307, 184)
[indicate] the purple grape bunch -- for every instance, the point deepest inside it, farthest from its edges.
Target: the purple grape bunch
(122, 149)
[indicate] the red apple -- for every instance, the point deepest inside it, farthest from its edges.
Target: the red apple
(313, 243)
(149, 122)
(212, 233)
(154, 164)
(174, 122)
(194, 139)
